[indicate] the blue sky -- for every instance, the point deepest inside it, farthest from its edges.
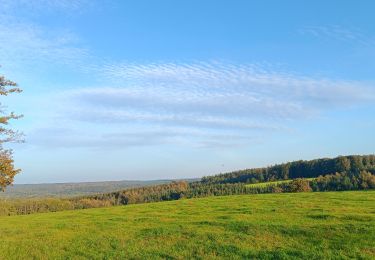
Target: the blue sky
(118, 90)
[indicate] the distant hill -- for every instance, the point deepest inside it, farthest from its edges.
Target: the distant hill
(74, 189)
(352, 172)
(342, 173)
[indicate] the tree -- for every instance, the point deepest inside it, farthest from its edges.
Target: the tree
(342, 164)
(7, 169)
(299, 185)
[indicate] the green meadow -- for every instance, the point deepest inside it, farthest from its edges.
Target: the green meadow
(336, 225)
(265, 184)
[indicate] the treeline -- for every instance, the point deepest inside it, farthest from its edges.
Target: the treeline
(178, 190)
(344, 181)
(164, 192)
(332, 182)
(63, 190)
(297, 169)
(9, 207)
(171, 191)
(338, 174)
(341, 173)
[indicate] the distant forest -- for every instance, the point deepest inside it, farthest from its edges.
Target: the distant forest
(63, 190)
(349, 165)
(337, 174)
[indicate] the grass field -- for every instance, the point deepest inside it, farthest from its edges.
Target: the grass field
(279, 226)
(265, 184)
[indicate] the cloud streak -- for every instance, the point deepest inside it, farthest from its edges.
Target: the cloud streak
(339, 33)
(54, 137)
(247, 100)
(24, 42)
(42, 5)
(216, 98)
(249, 79)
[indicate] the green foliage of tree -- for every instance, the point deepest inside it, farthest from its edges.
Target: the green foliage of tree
(7, 169)
(342, 164)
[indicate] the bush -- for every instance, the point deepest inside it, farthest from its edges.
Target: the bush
(299, 185)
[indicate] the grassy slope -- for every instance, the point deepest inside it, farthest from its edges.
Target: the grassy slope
(302, 225)
(265, 184)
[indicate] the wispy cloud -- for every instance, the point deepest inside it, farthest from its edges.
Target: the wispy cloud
(43, 5)
(225, 87)
(59, 137)
(22, 43)
(215, 98)
(205, 103)
(25, 42)
(339, 33)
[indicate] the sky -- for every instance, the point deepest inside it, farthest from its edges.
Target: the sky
(136, 90)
